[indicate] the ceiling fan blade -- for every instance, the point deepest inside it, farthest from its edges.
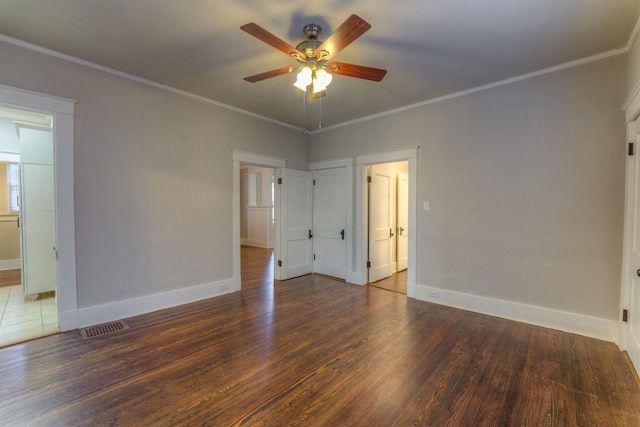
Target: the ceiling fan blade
(342, 37)
(269, 74)
(358, 71)
(260, 33)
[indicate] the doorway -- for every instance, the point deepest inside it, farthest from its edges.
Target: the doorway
(361, 213)
(388, 229)
(62, 111)
(257, 225)
(250, 163)
(28, 303)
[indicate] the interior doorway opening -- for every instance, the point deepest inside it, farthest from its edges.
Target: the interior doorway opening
(242, 162)
(257, 225)
(388, 229)
(363, 163)
(28, 270)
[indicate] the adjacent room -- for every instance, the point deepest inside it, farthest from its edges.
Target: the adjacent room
(325, 213)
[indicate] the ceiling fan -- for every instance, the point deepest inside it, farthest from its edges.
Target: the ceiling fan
(314, 55)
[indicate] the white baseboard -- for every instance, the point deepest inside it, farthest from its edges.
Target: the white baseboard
(355, 278)
(10, 264)
(68, 320)
(593, 327)
(116, 310)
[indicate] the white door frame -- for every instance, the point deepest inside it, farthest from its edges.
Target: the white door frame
(62, 110)
(361, 230)
(254, 160)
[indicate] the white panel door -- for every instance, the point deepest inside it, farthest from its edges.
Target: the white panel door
(38, 228)
(380, 223)
(329, 222)
(402, 239)
(633, 339)
(294, 224)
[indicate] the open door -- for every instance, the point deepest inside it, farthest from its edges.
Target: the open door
(293, 223)
(402, 239)
(329, 222)
(633, 336)
(380, 223)
(37, 212)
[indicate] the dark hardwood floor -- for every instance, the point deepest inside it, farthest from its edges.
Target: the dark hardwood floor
(314, 351)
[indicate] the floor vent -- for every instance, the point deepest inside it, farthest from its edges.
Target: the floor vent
(104, 329)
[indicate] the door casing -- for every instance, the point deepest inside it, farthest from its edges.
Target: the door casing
(62, 110)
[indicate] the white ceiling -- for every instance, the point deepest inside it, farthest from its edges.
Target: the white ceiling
(430, 48)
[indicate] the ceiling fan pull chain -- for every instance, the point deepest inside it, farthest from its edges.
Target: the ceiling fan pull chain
(320, 114)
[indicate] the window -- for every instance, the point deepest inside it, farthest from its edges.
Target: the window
(14, 187)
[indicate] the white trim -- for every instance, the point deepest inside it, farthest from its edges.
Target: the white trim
(588, 326)
(258, 159)
(10, 264)
(10, 157)
(36, 101)
(132, 307)
(411, 156)
(631, 106)
(633, 35)
(62, 110)
(131, 77)
(526, 76)
(388, 156)
(493, 85)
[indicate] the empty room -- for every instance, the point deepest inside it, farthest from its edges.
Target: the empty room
(355, 213)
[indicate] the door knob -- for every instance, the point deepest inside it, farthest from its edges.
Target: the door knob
(390, 233)
(638, 272)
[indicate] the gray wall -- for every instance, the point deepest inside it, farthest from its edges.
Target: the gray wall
(525, 183)
(153, 184)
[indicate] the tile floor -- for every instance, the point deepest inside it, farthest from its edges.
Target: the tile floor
(22, 319)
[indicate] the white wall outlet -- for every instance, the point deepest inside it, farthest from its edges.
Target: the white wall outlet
(433, 294)
(425, 205)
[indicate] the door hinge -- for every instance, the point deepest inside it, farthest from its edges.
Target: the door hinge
(314, 257)
(630, 149)
(368, 179)
(279, 180)
(310, 235)
(314, 182)
(279, 263)
(625, 315)
(368, 264)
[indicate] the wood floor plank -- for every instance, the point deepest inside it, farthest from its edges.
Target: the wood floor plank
(316, 351)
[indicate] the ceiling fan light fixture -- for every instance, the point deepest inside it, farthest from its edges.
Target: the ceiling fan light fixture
(321, 80)
(304, 79)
